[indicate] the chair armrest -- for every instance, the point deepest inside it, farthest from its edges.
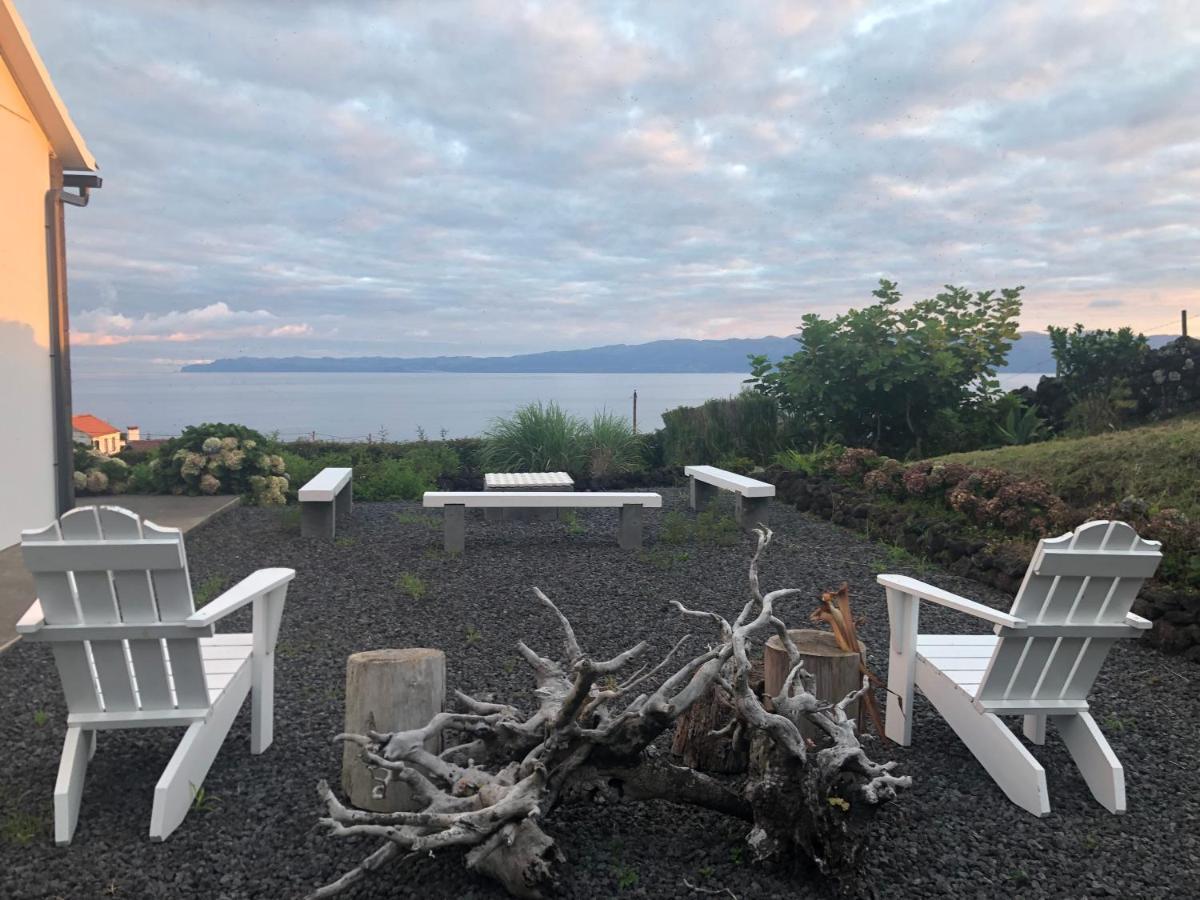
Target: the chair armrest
(1136, 621)
(248, 589)
(924, 591)
(33, 620)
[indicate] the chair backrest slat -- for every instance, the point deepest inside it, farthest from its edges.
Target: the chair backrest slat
(142, 581)
(56, 592)
(135, 600)
(173, 592)
(98, 606)
(1089, 577)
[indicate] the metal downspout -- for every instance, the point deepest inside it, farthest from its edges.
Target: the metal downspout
(60, 328)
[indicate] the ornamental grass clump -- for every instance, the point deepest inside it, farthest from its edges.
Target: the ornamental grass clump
(612, 447)
(539, 437)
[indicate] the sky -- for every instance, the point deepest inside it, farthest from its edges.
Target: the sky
(496, 177)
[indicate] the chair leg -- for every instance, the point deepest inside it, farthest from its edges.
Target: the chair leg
(78, 747)
(1034, 728)
(997, 749)
(902, 617)
(1097, 763)
(184, 774)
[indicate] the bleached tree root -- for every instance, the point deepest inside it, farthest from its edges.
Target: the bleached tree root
(487, 794)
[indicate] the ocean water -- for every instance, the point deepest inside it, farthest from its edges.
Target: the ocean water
(352, 406)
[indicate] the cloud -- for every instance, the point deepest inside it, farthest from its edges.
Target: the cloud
(485, 177)
(105, 328)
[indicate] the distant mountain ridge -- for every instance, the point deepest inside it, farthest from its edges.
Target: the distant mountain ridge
(1030, 353)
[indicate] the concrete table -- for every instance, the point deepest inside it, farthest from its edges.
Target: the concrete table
(525, 481)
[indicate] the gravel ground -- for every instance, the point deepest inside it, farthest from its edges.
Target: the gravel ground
(953, 835)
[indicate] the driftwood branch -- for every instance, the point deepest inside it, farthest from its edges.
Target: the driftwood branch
(503, 772)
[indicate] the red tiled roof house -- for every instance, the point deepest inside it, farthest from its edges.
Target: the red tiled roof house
(96, 433)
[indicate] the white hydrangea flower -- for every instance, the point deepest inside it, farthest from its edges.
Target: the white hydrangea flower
(211, 445)
(97, 481)
(80, 481)
(209, 484)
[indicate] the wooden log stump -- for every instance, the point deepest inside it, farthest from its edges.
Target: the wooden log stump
(389, 690)
(835, 670)
(695, 743)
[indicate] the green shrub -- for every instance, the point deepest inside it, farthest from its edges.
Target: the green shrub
(390, 479)
(746, 426)
(716, 528)
(675, 528)
(612, 447)
(537, 438)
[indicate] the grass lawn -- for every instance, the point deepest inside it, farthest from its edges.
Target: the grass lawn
(1158, 463)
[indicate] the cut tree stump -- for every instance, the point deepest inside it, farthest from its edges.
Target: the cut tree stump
(835, 670)
(695, 742)
(389, 690)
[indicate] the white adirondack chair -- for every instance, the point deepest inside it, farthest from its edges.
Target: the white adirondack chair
(115, 602)
(1040, 663)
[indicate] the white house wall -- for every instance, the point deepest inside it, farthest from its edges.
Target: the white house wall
(26, 423)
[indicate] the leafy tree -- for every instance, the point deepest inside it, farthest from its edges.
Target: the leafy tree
(1092, 362)
(895, 379)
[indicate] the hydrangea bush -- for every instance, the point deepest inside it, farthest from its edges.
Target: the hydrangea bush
(221, 459)
(992, 498)
(96, 473)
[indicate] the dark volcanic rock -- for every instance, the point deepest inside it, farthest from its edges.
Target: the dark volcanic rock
(953, 835)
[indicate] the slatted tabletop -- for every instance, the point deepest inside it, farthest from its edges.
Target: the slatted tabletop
(494, 481)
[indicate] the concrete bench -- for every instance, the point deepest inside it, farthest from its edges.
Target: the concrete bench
(326, 498)
(526, 481)
(629, 532)
(753, 497)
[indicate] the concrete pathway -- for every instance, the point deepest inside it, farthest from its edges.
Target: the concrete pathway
(184, 513)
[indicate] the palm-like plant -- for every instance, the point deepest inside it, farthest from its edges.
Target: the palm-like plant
(1022, 425)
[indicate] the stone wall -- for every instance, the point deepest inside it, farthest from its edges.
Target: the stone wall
(999, 562)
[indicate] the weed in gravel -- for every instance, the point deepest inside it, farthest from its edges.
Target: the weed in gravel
(1090, 841)
(1018, 876)
(22, 828)
(675, 528)
(40, 717)
(705, 872)
(202, 800)
(293, 649)
(735, 855)
(663, 559)
(1115, 723)
(208, 590)
(473, 636)
(509, 665)
(716, 529)
(627, 877)
(411, 584)
(345, 542)
(574, 526)
(412, 518)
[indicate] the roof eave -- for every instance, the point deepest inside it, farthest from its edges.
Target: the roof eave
(18, 50)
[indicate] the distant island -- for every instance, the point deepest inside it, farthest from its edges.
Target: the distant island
(1030, 353)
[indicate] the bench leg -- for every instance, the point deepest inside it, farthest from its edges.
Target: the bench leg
(700, 493)
(455, 527)
(344, 504)
(751, 512)
(629, 531)
(317, 520)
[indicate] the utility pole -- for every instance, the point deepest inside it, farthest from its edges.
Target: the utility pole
(1183, 321)
(635, 409)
